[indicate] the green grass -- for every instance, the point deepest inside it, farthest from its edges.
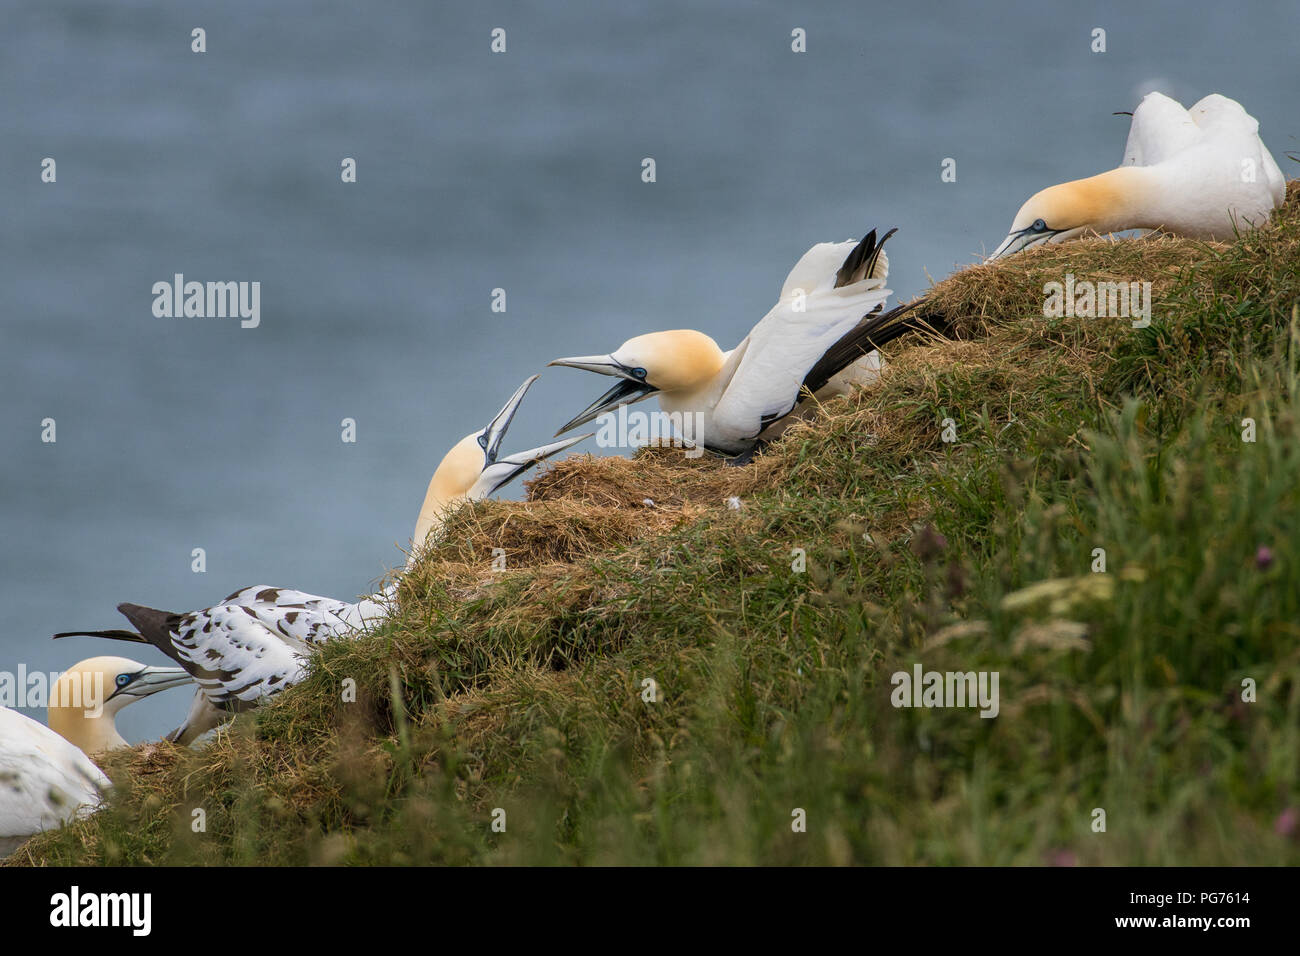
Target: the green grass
(523, 690)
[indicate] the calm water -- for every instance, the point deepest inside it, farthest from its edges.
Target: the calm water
(475, 171)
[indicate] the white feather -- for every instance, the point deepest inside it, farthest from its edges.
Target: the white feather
(44, 780)
(776, 356)
(257, 642)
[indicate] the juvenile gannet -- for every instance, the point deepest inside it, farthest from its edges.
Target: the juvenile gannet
(1202, 172)
(45, 776)
(819, 338)
(257, 642)
(293, 618)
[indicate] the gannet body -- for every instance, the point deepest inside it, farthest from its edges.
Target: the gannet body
(259, 640)
(1202, 173)
(820, 336)
(46, 778)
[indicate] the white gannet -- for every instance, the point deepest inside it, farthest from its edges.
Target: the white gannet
(820, 336)
(46, 777)
(257, 642)
(1202, 172)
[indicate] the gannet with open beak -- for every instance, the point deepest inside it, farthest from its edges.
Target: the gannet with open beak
(1203, 173)
(819, 338)
(46, 777)
(258, 641)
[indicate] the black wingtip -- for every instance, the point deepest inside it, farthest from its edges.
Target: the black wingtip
(875, 255)
(875, 330)
(861, 262)
(852, 262)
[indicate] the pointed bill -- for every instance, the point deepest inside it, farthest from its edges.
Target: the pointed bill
(499, 473)
(151, 680)
(1022, 239)
(500, 424)
(629, 390)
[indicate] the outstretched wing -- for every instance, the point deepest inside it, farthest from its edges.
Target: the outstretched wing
(826, 295)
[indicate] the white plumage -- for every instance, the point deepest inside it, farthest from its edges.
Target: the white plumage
(1203, 173)
(256, 642)
(44, 780)
(820, 335)
(811, 315)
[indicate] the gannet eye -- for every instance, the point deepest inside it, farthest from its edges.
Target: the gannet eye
(123, 680)
(1039, 226)
(639, 373)
(482, 441)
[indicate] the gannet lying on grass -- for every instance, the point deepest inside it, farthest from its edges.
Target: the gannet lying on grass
(258, 641)
(1203, 173)
(819, 338)
(45, 776)
(263, 635)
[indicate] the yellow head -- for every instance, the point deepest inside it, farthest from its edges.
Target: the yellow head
(87, 697)
(1108, 202)
(680, 360)
(475, 468)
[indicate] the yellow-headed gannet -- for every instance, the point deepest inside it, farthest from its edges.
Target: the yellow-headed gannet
(257, 642)
(1202, 172)
(820, 337)
(45, 776)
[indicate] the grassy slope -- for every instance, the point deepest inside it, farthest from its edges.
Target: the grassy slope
(522, 689)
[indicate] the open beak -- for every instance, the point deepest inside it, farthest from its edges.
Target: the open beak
(630, 389)
(500, 424)
(498, 474)
(151, 680)
(1024, 239)
(499, 471)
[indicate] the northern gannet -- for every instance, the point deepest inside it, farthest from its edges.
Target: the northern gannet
(260, 625)
(1203, 173)
(820, 336)
(46, 777)
(257, 641)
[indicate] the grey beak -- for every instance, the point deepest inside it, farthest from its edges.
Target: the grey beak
(151, 680)
(500, 424)
(499, 471)
(1022, 239)
(629, 390)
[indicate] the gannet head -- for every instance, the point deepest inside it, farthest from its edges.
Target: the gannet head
(475, 467)
(1057, 213)
(88, 696)
(680, 360)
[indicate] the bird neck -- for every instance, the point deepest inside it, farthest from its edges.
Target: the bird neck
(92, 734)
(1127, 197)
(438, 502)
